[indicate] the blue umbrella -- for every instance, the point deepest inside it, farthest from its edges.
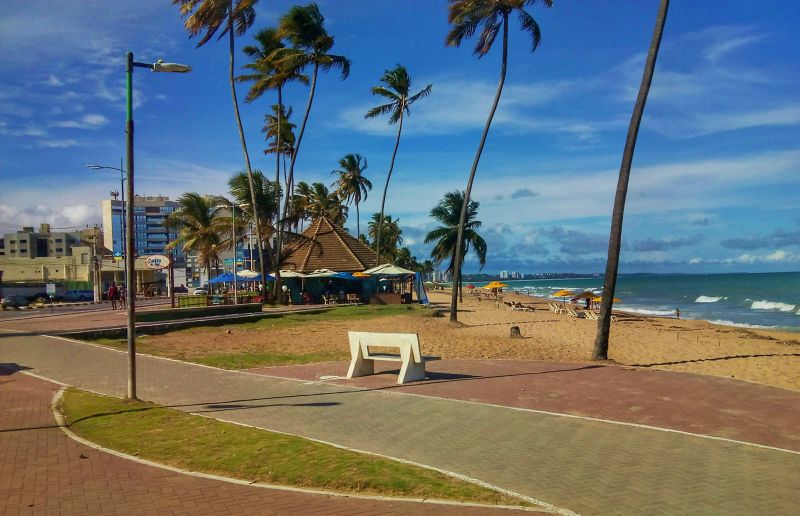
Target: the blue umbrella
(225, 277)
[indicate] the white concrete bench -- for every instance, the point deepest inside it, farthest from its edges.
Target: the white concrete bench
(362, 361)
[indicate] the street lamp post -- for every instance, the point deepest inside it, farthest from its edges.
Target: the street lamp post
(130, 278)
(122, 179)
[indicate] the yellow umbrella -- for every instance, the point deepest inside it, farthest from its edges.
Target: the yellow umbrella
(563, 293)
(360, 275)
(598, 299)
(494, 284)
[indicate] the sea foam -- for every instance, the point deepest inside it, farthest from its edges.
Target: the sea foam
(742, 325)
(647, 311)
(772, 305)
(708, 299)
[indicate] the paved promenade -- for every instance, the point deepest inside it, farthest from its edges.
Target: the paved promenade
(581, 465)
(44, 471)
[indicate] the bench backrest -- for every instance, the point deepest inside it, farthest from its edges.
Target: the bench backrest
(405, 342)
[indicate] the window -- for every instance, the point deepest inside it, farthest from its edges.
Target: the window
(59, 249)
(23, 241)
(12, 241)
(23, 251)
(59, 240)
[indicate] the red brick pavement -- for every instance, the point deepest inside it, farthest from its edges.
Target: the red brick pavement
(44, 471)
(687, 402)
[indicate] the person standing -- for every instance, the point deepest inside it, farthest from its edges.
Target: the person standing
(677, 313)
(112, 295)
(123, 298)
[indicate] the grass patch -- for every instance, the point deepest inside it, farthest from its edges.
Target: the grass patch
(341, 313)
(200, 444)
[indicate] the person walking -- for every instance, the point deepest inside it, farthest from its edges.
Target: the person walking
(112, 295)
(123, 298)
(677, 313)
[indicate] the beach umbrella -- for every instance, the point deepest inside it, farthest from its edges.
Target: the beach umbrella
(470, 286)
(563, 293)
(494, 284)
(584, 295)
(360, 275)
(322, 273)
(387, 269)
(246, 273)
(597, 299)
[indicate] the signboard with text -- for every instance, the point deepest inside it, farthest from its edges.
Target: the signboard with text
(156, 261)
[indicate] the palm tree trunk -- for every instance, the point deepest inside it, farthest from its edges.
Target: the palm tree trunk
(386, 188)
(291, 173)
(468, 192)
(244, 148)
(276, 255)
(358, 222)
(600, 351)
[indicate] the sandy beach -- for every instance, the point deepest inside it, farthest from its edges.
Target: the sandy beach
(766, 357)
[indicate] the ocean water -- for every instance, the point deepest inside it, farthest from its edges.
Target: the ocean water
(764, 300)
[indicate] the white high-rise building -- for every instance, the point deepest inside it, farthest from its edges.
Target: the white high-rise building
(503, 274)
(150, 234)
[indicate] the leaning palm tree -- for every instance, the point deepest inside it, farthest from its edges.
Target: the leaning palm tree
(304, 27)
(600, 351)
(448, 213)
(390, 229)
(351, 185)
(234, 17)
(467, 16)
(396, 90)
(199, 228)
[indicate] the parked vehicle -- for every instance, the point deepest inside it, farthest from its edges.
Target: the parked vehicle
(200, 292)
(44, 297)
(14, 301)
(78, 295)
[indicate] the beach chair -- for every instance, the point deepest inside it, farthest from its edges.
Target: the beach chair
(594, 316)
(572, 313)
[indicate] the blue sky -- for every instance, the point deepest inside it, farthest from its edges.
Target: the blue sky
(715, 182)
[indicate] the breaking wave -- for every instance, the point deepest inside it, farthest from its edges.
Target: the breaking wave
(742, 325)
(708, 299)
(647, 311)
(772, 305)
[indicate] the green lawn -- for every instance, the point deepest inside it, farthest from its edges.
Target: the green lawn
(255, 359)
(206, 445)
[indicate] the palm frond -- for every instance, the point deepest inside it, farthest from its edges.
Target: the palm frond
(529, 24)
(380, 110)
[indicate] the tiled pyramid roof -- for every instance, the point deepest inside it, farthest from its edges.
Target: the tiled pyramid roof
(331, 247)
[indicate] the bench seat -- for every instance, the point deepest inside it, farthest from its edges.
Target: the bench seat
(363, 360)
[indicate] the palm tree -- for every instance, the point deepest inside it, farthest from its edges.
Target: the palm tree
(199, 228)
(206, 17)
(266, 207)
(396, 90)
(304, 28)
(351, 185)
(448, 213)
(299, 206)
(286, 137)
(466, 16)
(600, 351)
(321, 202)
(270, 74)
(390, 229)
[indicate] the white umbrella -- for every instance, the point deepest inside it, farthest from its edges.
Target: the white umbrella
(387, 269)
(246, 273)
(291, 274)
(321, 273)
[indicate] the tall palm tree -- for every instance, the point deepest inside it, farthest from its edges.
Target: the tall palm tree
(351, 185)
(321, 202)
(466, 16)
(199, 228)
(304, 27)
(600, 351)
(448, 213)
(268, 73)
(299, 206)
(397, 91)
(390, 229)
(206, 17)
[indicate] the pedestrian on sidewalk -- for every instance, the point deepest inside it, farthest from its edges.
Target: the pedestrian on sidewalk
(112, 295)
(123, 298)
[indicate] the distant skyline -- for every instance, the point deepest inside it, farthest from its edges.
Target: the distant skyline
(715, 179)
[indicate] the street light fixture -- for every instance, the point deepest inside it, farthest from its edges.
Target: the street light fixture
(130, 280)
(122, 179)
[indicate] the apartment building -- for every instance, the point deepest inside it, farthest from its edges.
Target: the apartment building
(150, 234)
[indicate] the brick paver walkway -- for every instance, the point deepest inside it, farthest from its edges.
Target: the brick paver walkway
(585, 466)
(687, 402)
(44, 471)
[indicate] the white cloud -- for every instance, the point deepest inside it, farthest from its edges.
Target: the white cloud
(57, 144)
(89, 121)
(52, 80)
